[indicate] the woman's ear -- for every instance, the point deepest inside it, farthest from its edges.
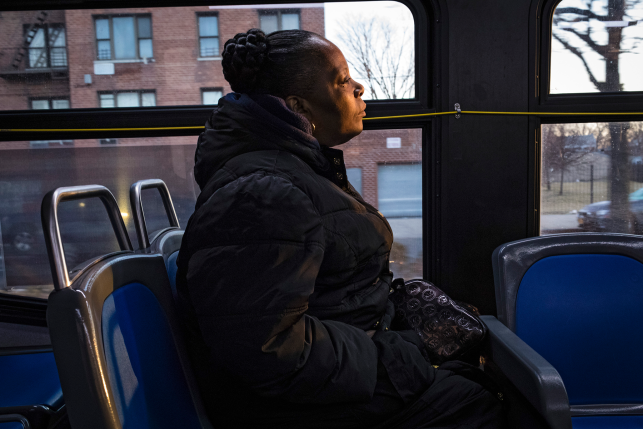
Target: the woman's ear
(299, 105)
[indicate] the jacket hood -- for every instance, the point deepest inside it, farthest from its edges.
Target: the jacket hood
(242, 123)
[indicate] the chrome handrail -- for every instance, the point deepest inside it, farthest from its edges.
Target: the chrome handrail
(135, 194)
(49, 217)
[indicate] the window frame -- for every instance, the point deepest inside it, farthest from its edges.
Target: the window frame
(540, 74)
(540, 31)
(279, 12)
(110, 17)
(396, 164)
(210, 89)
(48, 48)
(50, 99)
(199, 37)
(431, 70)
(139, 92)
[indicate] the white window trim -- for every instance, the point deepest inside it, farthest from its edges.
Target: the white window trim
(271, 6)
(133, 60)
(209, 58)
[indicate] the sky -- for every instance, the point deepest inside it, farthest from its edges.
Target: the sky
(395, 13)
(568, 72)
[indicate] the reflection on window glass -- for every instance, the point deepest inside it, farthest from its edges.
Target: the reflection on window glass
(127, 99)
(596, 46)
(400, 190)
(27, 173)
(592, 178)
(46, 45)
(211, 96)
(208, 36)
(269, 22)
(354, 176)
(290, 21)
(386, 174)
(124, 45)
(117, 51)
(275, 20)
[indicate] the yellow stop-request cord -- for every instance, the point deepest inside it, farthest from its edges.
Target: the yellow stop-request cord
(417, 115)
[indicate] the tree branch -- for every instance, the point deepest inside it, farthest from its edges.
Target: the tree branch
(579, 54)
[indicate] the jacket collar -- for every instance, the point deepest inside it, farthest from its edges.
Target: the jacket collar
(240, 125)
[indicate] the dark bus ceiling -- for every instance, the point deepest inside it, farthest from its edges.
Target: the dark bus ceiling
(480, 172)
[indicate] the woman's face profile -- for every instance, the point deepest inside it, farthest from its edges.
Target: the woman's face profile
(335, 105)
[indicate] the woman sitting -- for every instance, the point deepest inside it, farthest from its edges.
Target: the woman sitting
(283, 275)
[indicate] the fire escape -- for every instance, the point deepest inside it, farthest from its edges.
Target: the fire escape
(50, 62)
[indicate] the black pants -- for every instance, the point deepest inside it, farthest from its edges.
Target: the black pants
(452, 401)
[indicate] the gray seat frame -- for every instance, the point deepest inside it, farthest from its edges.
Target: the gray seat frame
(75, 308)
(532, 375)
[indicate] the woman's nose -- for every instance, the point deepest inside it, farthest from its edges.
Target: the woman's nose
(359, 90)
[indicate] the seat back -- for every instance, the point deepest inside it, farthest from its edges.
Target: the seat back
(117, 343)
(168, 242)
(136, 202)
(576, 299)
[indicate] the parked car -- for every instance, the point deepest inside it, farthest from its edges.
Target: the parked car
(597, 217)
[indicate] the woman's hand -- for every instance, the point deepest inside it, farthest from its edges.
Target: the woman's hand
(370, 333)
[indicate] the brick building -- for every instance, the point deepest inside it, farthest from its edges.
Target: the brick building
(154, 57)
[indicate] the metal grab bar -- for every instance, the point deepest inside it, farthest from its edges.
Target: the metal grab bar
(135, 194)
(49, 217)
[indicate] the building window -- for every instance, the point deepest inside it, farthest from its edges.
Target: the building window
(211, 95)
(127, 99)
(49, 103)
(399, 190)
(124, 37)
(275, 20)
(354, 176)
(46, 104)
(47, 47)
(208, 35)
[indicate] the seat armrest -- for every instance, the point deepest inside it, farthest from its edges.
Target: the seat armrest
(6, 418)
(535, 378)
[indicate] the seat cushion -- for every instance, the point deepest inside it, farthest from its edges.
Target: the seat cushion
(147, 380)
(29, 379)
(582, 314)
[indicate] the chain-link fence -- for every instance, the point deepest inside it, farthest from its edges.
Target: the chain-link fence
(582, 184)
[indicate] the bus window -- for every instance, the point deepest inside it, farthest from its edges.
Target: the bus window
(28, 172)
(390, 174)
(147, 57)
(592, 177)
(596, 47)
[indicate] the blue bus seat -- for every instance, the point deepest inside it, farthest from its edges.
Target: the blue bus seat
(115, 334)
(168, 241)
(567, 335)
(119, 348)
(167, 244)
(29, 379)
(30, 392)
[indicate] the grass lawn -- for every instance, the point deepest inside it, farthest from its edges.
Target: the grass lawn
(575, 196)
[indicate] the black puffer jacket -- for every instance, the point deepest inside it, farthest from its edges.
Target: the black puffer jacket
(283, 268)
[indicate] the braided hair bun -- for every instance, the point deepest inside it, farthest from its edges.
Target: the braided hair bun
(243, 56)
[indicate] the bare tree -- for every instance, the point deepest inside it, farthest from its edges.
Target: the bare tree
(559, 151)
(614, 14)
(381, 56)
